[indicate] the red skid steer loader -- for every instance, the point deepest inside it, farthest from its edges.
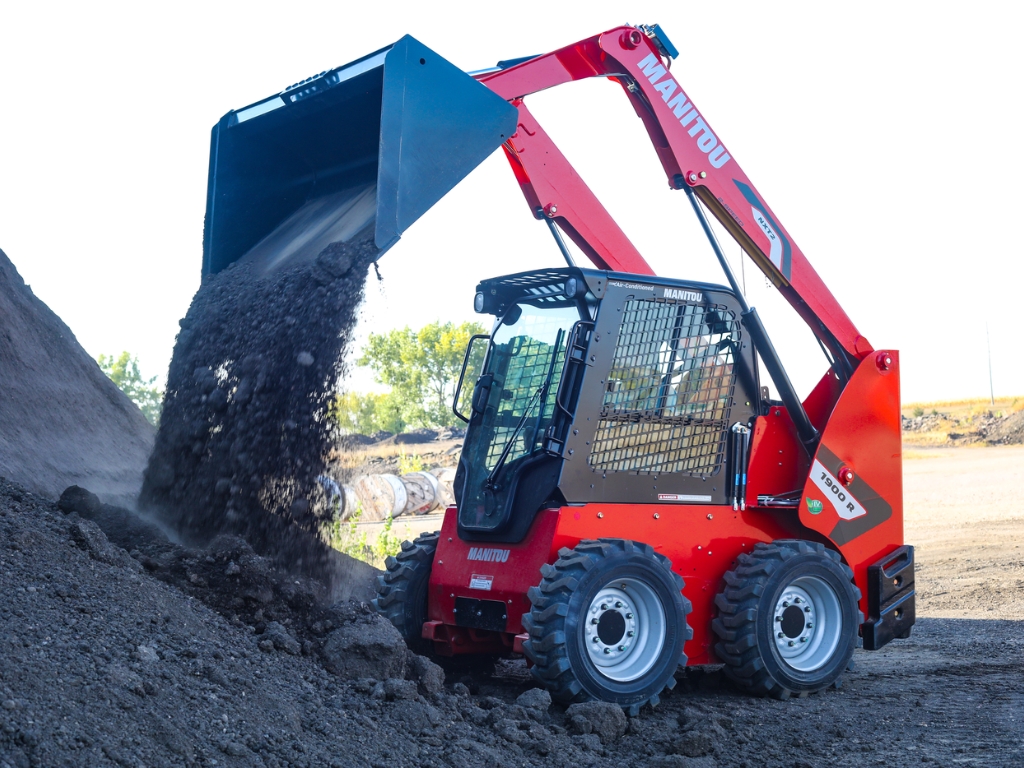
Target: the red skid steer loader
(629, 498)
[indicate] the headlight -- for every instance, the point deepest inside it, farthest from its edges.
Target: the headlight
(571, 286)
(478, 302)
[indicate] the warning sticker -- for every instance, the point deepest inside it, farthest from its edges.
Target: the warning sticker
(476, 581)
(692, 498)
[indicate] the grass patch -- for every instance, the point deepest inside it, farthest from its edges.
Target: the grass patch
(347, 538)
(960, 409)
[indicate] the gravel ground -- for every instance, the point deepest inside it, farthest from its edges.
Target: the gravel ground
(106, 660)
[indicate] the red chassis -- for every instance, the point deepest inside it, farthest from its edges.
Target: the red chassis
(701, 541)
(852, 486)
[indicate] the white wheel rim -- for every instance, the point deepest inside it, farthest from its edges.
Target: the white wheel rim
(807, 623)
(624, 629)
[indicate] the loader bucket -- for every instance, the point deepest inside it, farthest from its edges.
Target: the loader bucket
(373, 143)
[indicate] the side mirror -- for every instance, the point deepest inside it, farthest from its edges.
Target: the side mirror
(512, 315)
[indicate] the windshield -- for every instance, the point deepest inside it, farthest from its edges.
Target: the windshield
(526, 361)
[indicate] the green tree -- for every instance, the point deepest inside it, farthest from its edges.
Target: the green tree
(365, 414)
(124, 372)
(421, 368)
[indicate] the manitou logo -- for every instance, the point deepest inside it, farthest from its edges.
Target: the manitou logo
(673, 293)
(488, 555)
(684, 111)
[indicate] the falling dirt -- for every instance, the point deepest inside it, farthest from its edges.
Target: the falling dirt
(245, 427)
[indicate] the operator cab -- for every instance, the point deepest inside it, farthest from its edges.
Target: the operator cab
(599, 387)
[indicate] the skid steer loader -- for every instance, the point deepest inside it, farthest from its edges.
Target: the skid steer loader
(629, 499)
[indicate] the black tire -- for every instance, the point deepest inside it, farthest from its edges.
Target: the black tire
(775, 644)
(583, 582)
(402, 589)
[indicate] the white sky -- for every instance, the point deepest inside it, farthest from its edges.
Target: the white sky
(885, 136)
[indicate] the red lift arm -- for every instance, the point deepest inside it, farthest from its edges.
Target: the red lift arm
(691, 155)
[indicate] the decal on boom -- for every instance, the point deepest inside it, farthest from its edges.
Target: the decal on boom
(684, 111)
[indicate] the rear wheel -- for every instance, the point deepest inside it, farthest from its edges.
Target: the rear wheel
(402, 589)
(608, 622)
(788, 619)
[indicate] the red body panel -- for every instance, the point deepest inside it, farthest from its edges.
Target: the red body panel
(701, 541)
(453, 572)
(778, 464)
(864, 435)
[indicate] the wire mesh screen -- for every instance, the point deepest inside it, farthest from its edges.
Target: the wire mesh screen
(668, 395)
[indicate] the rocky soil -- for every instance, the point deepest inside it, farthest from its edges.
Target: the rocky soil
(154, 659)
(987, 428)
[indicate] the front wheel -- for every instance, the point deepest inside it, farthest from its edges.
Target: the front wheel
(607, 622)
(402, 589)
(787, 619)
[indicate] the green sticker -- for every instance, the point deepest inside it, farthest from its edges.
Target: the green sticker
(814, 506)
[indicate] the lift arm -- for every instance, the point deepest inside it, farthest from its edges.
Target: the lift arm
(692, 155)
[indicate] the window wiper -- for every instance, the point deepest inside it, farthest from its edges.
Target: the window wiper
(491, 478)
(542, 395)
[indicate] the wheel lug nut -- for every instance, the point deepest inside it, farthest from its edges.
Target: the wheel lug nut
(604, 607)
(791, 643)
(630, 633)
(807, 609)
(810, 625)
(607, 650)
(622, 647)
(797, 600)
(618, 603)
(593, 621)
(803, 639)
(778, 618)
(782, 635)
(597, 639)
(629, 615)
(785, 603)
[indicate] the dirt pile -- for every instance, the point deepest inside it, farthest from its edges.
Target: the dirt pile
(227, 575)
(1009, 430)
(104, 664)
(245, 428)
(62, 421)
(985, 428)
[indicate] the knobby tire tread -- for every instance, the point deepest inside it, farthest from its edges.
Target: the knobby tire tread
(403, 574)
(736, 624)
(545, 623)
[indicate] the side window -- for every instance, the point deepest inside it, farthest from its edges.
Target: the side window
(668, 395)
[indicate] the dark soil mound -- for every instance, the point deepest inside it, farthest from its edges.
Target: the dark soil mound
(1009, 430)
(62, 421)
(227, 575)
(245, 427)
